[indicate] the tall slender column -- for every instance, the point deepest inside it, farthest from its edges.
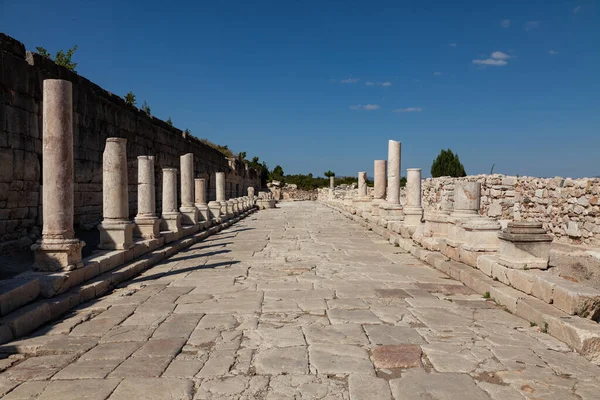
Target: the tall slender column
(58, 249)
(221, 194)
(189, 213)
(394, 162)
(147, 224)
(200, 202)
(116, 230)
(391, 210)
(171, 218)
(413, 211)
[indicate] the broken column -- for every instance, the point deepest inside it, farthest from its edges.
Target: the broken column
(380, 183)
(171, 218)
(413, 211)
(58, 249)
(470, 235)
(524, 245)
(200, 201)
(362, 202)
(147, 224)
(331, 187)
(251, 196)
(116, 230)
(189, 213)
(391, 210)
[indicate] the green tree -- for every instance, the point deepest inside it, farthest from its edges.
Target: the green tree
(403, 181)
(277, 174)
(64, 58)
(169, 121)
(146, 108)
(242, 155)
(187, 131)
(130, 98)
(447, 164)
(329, 174)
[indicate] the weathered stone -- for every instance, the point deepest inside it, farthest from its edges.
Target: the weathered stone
(397, 356)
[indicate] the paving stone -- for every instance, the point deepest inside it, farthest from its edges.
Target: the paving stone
(386, 334)
(97, 327)
(452, 358)
(160, 348)
(141, 367)
(354, 316)
(339, 359)
(27, 391)
(88, 369)
(218, 364)
(128, 334)
(88, 389)
(288, 360)
(336, 334)
(37, 368)
(177, 326)
(275, 337)
(183, 368)
(397, 356)
(154, 389)
(6, 385)
(367, 387)
(417, 384)
(112, 351)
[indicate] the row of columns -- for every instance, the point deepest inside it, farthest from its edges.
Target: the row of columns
(59, 249)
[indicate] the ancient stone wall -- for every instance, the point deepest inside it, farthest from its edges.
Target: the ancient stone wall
(568, 208)
(98, 115)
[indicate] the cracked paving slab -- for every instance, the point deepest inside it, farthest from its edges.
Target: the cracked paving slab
(293, 303)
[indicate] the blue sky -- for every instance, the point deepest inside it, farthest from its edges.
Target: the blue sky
(318, 85)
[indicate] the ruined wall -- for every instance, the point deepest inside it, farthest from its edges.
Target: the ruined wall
(568, 208)
(98, 115)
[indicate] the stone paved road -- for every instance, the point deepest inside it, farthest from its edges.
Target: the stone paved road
(295, 303)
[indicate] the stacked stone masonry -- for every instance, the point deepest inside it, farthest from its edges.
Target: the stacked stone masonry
(97, 115)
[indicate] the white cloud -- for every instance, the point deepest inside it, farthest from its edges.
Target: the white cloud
(496, 59)
(408, 109)
(438, 73)
(350, 80)
(491, 61)
(576, 9)
(383, 84)
(505, 23)
(498, 55)
(366, 107)
(452, 45)
(553, 52)
(529, 25)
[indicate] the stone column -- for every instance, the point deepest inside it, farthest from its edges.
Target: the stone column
(116, 230)
(201, 203)
(467, 198)
(391, 210)
(413, 211)
(362, 184)
(171, 218)
(251, 196)
(218, 208)
(393, 179)
(331, 187)
(380, 167)
(189, 213)
(147, 224)
(58, 249)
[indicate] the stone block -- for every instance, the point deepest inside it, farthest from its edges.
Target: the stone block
(15, 293)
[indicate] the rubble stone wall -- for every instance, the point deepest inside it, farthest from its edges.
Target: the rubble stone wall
(568, 208)
(97, 115)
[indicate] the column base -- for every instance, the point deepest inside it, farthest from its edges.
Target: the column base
(55, 255)
(375, 206)
(203, 212)
(189, 215)
(413, 216)
(116, 235)
(391, 212)
(146, 227)
(214, 208)
(229, 209)
(171, 222)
